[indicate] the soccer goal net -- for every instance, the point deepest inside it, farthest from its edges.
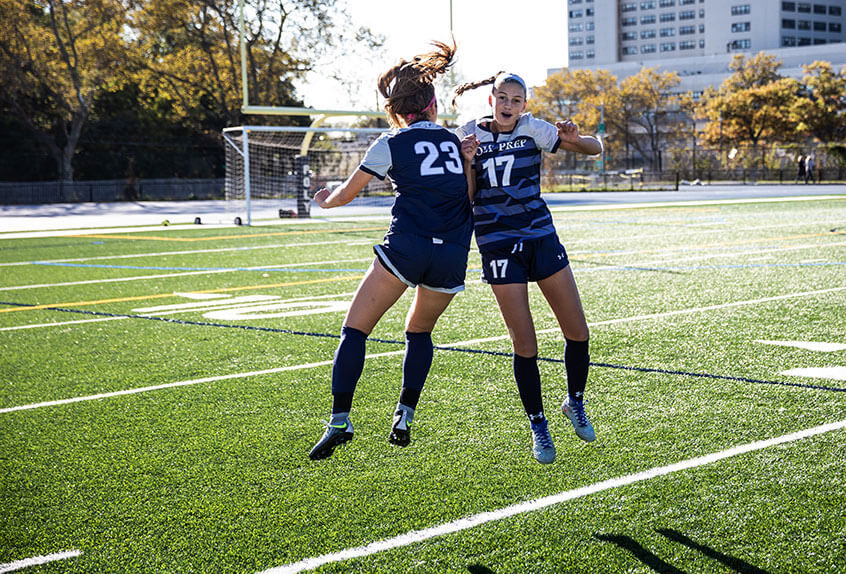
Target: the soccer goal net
(280, 167)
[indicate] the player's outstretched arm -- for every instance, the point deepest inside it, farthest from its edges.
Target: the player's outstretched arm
(344, 193)
(469, 145)
(568, 133)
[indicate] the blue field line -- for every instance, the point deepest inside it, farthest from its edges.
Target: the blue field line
(439, 347)
(158, 268)
(300, 270)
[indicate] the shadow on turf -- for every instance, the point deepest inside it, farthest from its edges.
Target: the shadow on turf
(479, 569)
(662, 567)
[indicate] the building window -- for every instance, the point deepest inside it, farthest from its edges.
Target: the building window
(576, 14)
(803, 24)
(819, 9)
(577, 27)
(702, 28)
(788, 41)
(834, 27)
(629, 22)
(789, 7)
(648, 49)
(686, 2)
(590, 54)
(589, 26)
(577, 41)
(628, 36)
(689, 15)
(668, 47)
(687, 45)
(589, 12)
(702, 43)
(668, 32)
(685, 30)
(647, 34)
(740, 27)
(819, 26)
(788, 24)
(589, 40)
(577, 55)
(629, 50)
(647, 5)
(628, 7)
(741, 44)
(804, 41)
(834, 10)
(668, 17)
(575, 1)
(741, 9)
(647, 19)
(667, 3)
(804, 8)
(818, 41)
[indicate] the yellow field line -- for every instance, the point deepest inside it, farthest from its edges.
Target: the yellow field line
(190, 239)
(164, 295)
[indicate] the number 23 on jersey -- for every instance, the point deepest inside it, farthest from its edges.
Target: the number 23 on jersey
(430, 164)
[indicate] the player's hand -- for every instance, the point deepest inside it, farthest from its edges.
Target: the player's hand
(568, 131)
(320, 197)
(469, 145)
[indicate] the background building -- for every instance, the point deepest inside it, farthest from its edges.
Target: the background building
(697, 38)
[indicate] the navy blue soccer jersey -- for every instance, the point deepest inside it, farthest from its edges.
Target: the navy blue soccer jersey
(423, 162)
(507, 207)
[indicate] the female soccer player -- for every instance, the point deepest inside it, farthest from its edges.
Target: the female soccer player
(518, 244)
(425, 247)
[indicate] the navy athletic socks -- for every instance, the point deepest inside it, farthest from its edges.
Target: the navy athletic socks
(576, 363)
(528, 383)
(347, 368)
(417, 360)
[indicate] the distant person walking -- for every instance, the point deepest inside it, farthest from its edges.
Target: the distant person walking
(800, 173)
(809, 169)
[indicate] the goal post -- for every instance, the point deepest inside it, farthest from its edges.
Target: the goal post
(284, 165)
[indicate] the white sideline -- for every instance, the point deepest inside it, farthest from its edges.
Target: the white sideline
(540, 503)
(399, 351)
(181, 384)
(38, 560)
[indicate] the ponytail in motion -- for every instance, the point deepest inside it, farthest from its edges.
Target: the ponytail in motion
(408, 88)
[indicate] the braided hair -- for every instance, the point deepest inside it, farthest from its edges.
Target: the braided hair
(497, 80)
(408, 88)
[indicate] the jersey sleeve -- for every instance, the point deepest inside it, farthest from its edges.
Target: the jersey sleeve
(466, 129)
(544, 133)
(377, 160)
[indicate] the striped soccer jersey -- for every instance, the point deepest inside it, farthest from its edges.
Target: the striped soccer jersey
(508, 207)
(423, 162)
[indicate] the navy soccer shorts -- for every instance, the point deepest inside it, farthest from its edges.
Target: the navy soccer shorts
(425, 261)
(524, 261)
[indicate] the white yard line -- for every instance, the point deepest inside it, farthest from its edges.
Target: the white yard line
(193, 252)
(38, 560)
(180, 274)
(390, 353)
(41, 325)
(540, 503)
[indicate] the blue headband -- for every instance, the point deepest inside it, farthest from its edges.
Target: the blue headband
(507, 77)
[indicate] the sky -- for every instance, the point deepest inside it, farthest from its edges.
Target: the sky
(525, 37)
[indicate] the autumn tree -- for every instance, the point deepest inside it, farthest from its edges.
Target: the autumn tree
(751, 106)
(649, 113)
(573, 94)
(54, 58)
(189, 51)
(820, 111)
